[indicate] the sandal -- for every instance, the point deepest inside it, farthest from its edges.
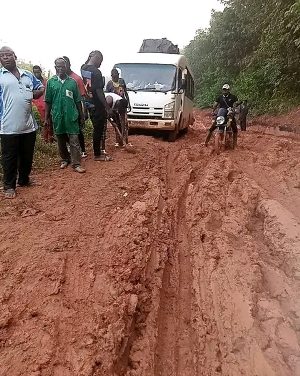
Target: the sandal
(103, 158)
(79, 169)
(9, 193)
(64, 164)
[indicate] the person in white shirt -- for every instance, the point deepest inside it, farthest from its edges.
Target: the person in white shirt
(119, 118)
(18, 128)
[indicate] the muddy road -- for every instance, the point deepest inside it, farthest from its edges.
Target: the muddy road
(168, 262)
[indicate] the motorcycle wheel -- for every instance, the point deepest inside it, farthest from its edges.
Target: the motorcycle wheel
(229, 144)
(217, 143)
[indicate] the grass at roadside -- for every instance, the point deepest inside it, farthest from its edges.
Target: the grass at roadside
(46, 155)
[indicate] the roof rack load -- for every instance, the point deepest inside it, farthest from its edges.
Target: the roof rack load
(162, 45)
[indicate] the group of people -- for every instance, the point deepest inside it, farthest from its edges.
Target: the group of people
(64, 103)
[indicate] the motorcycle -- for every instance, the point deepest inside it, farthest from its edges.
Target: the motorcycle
(223, 134)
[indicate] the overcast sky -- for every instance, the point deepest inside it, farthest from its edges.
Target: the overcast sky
(40, 31)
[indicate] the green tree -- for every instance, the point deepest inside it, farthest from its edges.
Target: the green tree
(253, 45)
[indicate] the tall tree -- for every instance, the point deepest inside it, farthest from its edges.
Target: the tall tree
(253, 45)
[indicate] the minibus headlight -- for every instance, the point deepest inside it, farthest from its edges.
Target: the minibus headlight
(169, 110)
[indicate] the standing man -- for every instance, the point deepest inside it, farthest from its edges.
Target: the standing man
(96, 103)
(17, 126)
(82, 91)
(63, 101)
(118, 86)
(39, 103)
(243, 113)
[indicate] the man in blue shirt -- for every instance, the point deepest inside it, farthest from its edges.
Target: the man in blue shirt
(17, 126)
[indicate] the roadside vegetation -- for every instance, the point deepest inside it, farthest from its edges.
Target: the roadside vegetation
(254, 46)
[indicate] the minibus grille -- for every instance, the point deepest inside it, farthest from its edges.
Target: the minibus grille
(146, 111)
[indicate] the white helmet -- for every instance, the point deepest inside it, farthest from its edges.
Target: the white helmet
(226, 87)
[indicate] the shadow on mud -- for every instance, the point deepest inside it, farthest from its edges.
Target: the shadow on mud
(162, 135)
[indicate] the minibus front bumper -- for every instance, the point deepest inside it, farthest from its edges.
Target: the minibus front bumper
(159, 124)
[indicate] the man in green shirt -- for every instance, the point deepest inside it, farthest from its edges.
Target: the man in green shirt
(63, 102)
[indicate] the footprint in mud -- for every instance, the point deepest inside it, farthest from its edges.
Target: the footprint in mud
(29, 212)
(61, 371)
(233, 175)
(214, 222)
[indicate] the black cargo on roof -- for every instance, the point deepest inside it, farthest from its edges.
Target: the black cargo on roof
(162, 45)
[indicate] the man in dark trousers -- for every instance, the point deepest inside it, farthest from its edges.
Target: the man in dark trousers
(82, 91)
(96, 103)
(47, 132)
(63, 104)
(243, 112)
(40, 102)
(225, 100)
(18, 128)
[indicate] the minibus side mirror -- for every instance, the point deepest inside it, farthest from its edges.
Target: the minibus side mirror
(182, 86)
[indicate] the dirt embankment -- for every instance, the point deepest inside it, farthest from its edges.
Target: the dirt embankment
(168, 262)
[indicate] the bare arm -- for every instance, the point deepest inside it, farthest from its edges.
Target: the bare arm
(38, 93)
(126, 94)
(80, 111)
(237, 103)
(128, 100)
(102, 99)
(38, 88)
(47, 113)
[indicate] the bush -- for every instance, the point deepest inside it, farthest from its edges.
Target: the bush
(255, 47)
(46, 155)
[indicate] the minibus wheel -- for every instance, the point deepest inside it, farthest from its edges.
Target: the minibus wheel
(172, 135)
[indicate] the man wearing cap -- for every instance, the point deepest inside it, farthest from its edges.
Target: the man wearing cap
(18, 128)
(83, 94)
(63, 104)
(225, 100)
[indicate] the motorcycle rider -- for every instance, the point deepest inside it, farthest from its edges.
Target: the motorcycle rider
(225, 100)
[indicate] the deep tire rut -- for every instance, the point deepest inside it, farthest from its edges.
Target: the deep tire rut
(169, 262)
(174, 353)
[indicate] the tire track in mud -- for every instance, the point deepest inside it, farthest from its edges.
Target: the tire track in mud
(189, 268)
(165, 328)
(210, 310)
(175, 345)
(157, 252)
(217, 312)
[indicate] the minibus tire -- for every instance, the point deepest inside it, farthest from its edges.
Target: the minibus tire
(185, 130)
(172, 135)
